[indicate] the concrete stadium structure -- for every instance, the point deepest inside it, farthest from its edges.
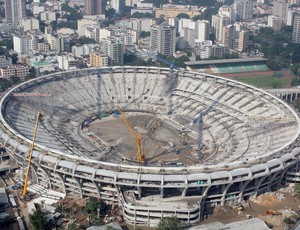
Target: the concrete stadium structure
(251, 139)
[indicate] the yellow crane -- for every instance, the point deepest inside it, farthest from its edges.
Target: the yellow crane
(30, 153)
(136, 136)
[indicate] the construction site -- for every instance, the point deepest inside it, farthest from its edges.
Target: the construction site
(155, 142)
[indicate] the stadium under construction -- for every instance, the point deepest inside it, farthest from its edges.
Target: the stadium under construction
(156, 142)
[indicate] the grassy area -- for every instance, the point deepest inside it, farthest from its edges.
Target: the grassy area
(263, 81)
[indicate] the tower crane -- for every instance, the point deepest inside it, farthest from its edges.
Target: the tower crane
(136, 136)
(38, 116)
(199, 121)
(172, 66)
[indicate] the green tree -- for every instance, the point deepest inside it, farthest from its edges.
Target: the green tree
(38, 220)
(14, 80)
(91, 205)
(4, 84)
(144, 34)
(169, 223)
(182, 15)
(297, 189)
(85, 40)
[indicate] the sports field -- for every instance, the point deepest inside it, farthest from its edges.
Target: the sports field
(264, 79)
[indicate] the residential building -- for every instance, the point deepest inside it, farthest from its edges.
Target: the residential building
(280, 9)
(48, 16)
(218, 24)
(43, 46)
(14, 11)
(296, 29)
(66, 62)
(94, 7)
(14, 70)
(243, 9)
(243, 40)
(25, 43)
(228, 38)
(215, 51)
(202, 30)
(4, 61)
(114, 49)
(275, 22)
(29, 24)
(98, 58)
(162, 39)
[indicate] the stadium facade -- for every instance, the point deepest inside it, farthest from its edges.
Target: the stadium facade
(252, 139)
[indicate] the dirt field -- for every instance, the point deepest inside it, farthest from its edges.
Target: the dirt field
(160, 141)
(288, 207)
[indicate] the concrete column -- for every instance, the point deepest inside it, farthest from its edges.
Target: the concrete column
(184, 192)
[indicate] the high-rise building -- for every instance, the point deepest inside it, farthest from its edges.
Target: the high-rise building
(94, 7)
(115, 4)
(218, 24)
(202, 30)
(14, 11)
(98, 58)
(275, 22)
(228, 38)
(25, 43)
(243, 9)
(162, 39)
(243, 41)
(280, 9)
(114, 49)
(296, 29)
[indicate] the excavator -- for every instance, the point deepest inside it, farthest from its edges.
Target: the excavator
(37, 119)
(136, 136)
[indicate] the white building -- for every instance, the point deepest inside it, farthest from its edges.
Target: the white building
(162, 39)
(29, 24)
(243, 9)
(115, 4)
(218, 24)
(48, 16)
(66, 62)
(114, 49)
(25, 43)
(202, 30)
(4, 61)
(14, 11)
(85, 23)
(275, 22)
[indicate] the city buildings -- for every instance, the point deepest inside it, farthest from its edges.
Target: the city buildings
(162, 39)
(98, 58)
(14, 11)
(114, 49)
(14, 70)
(280, 9)
(243, 9)
(94, 7)
(25, 43)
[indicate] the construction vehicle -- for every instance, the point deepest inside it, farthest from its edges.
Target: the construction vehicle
(39, 114)
(273, 212)
(136, 136)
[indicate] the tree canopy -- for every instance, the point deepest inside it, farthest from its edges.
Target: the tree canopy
(169, 223)
(39, 221)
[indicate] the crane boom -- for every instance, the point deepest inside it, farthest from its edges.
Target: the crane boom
(137, 138)
(30, 153)
(199, 121)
